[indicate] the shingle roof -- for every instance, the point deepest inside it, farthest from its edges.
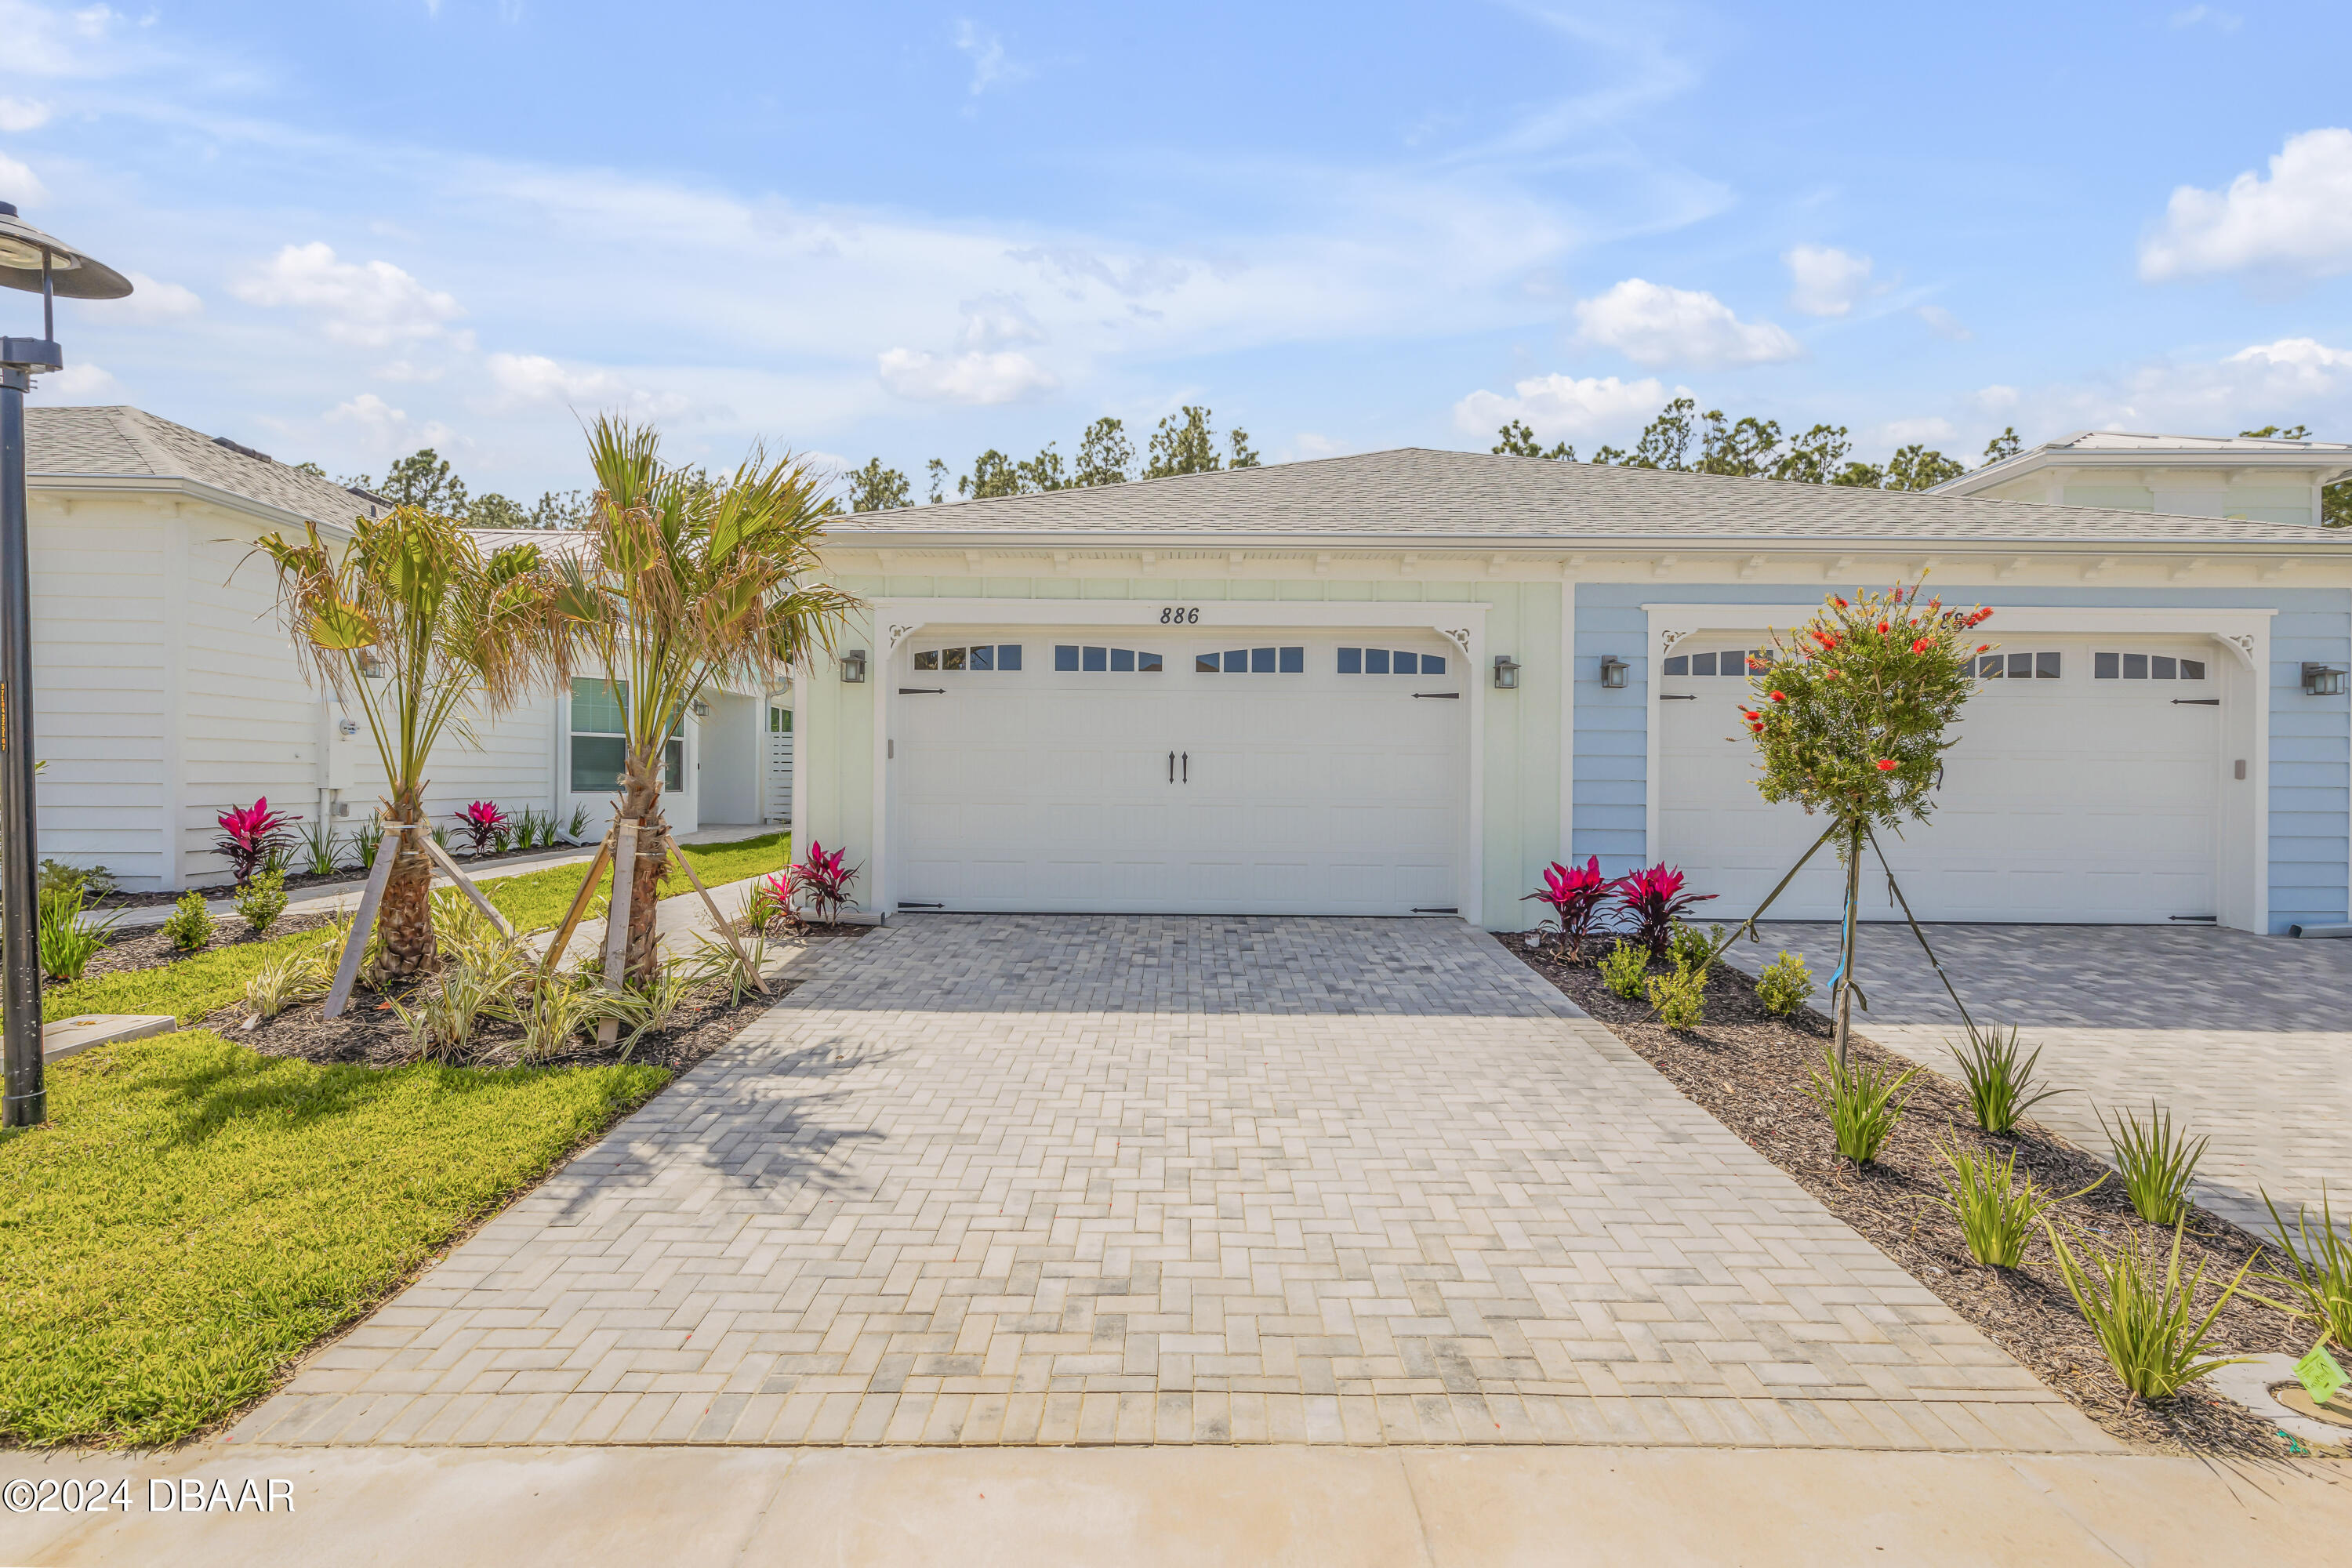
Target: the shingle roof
(131, 442)
(1417, 494)
(2132, 441)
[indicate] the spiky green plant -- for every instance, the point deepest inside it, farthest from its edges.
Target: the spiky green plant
(301, 973)
(1999, 1080)
(2145, 1321)
(64, 939)
(1862, 1101)
(2157, 1165)
(1996, 1214)
(686, 580)
(2318, 1276)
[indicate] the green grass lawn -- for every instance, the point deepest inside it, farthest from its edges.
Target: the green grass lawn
(195, 987)
(195, 1214)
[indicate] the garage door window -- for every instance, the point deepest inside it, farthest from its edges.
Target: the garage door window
(2017, 667)
(989, 657)
(2145, 667)
(1730, 661)
(1389, 662)
(1251, 661)
(1106, 660)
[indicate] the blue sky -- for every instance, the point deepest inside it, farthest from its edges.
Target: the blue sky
(914, 231)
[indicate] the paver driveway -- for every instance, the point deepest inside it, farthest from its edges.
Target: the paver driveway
(2247, 1039)
(1055, 1179)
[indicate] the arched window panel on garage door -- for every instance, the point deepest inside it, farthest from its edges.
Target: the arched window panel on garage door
(1250, 661)
(988, 659)
(1716, 664)
(2117, 665)
(1089, 659)
(2046, 664)
(1390, 661)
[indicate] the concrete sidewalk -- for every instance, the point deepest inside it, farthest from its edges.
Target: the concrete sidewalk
(331, 898)
(1437, 1507)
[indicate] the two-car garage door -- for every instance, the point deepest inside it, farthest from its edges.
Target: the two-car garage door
(1274, 773)
(2085, 786)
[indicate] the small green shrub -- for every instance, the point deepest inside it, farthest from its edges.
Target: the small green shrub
(1860, 1100)
(1691, 948)
(2000, 1080)
(67, 944)
(95, 882)
(261, 900)
(1680, 998)
(1996, 1215)
(1624, 968)
(2320, 1279)
(320, 848)
(2157, 1165)
(2144, 1320)
(190, 924)
(366, 838)
(1784, 985)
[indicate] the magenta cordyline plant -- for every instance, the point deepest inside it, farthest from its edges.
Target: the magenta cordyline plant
(481, 820)
(253, 836)
(1576, 896)
(823, 875)
(1654, 901)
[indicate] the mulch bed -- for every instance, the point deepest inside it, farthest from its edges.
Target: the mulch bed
(1751, 1071)
(146, 947)
(371, 1033)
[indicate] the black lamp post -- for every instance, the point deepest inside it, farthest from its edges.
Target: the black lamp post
(35, 262)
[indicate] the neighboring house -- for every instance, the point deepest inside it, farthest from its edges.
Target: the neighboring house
(1404, 682)
(2250, 478)
(166, 686)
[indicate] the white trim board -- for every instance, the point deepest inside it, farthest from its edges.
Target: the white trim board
(2246, 633)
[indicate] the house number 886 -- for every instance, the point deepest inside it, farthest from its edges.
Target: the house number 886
(1175, 615)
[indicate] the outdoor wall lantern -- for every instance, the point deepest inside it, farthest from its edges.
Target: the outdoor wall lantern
(1507, 673)
(853, 665)
(371, 664)
(2322, 680)
(701, 708)
(1612, 672)
(42, 265)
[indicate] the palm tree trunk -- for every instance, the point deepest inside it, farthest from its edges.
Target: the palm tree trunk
(405, 920)
(641, 800)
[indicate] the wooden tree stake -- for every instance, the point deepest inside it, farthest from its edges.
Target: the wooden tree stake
(616, 918)
(347, 972)
(579, 902)
(465, 883)
(726, 927)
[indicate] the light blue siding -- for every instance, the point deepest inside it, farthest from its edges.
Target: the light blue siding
(2310, 779)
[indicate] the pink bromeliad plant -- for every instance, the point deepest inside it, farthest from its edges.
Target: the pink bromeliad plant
(482, 822)
(253, 836)
(1654, 902)
(1576, 896)
(824, 878)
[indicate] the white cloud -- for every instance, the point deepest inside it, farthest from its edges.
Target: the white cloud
(2290, 381)
(1995, 399)
(990, 67)
(2298, 221)
(1905, 431)
(384, 428)
(410, 371)
(79, 384)
(2212, 16)
(524, 380)
(1652, 324)
(370, 304)
(1944, 325)
(2296, 366)
(1005, 376)
(1557, 406)
(151, 299)
(1308, 444)
(1826, 281)
(19, 184)
(997, 320)
(22, 114)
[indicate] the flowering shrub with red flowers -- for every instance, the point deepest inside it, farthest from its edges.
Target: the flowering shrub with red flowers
(822, 875)
(1851, 711)
(1576, 895)
(1655, 901)
(253, 836)
(480, 821)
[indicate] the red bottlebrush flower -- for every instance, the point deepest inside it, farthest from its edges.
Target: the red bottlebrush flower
(1923, 644)
(1779, 697)
(1984, 648)
(1828, 675)
(1887, 764)
(1881, 628)
(1838, 602)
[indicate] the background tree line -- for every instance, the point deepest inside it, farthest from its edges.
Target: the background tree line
(1754, 448)
(424, 478)
(1184, 443)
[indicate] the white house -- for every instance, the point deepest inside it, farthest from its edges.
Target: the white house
(1404, 682)
(165, 689)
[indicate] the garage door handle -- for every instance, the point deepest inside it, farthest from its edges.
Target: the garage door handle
(1188, 767)
(2196, 702)
(922, 692)
(1172, 767)
(1449, 696)
(1677, 697)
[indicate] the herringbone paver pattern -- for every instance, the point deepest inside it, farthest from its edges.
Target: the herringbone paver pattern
(1061, 1180)
(2245, 1038)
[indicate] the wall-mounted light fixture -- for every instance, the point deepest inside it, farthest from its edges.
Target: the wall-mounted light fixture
(1612, 672)
(371, 664)
(701, 708)
(853, 665)
(2322, 680)
(1507, 673)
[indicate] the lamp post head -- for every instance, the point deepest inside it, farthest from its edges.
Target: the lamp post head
(72, 274)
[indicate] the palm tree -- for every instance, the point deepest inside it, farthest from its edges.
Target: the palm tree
(416, 623)
(683, 579)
